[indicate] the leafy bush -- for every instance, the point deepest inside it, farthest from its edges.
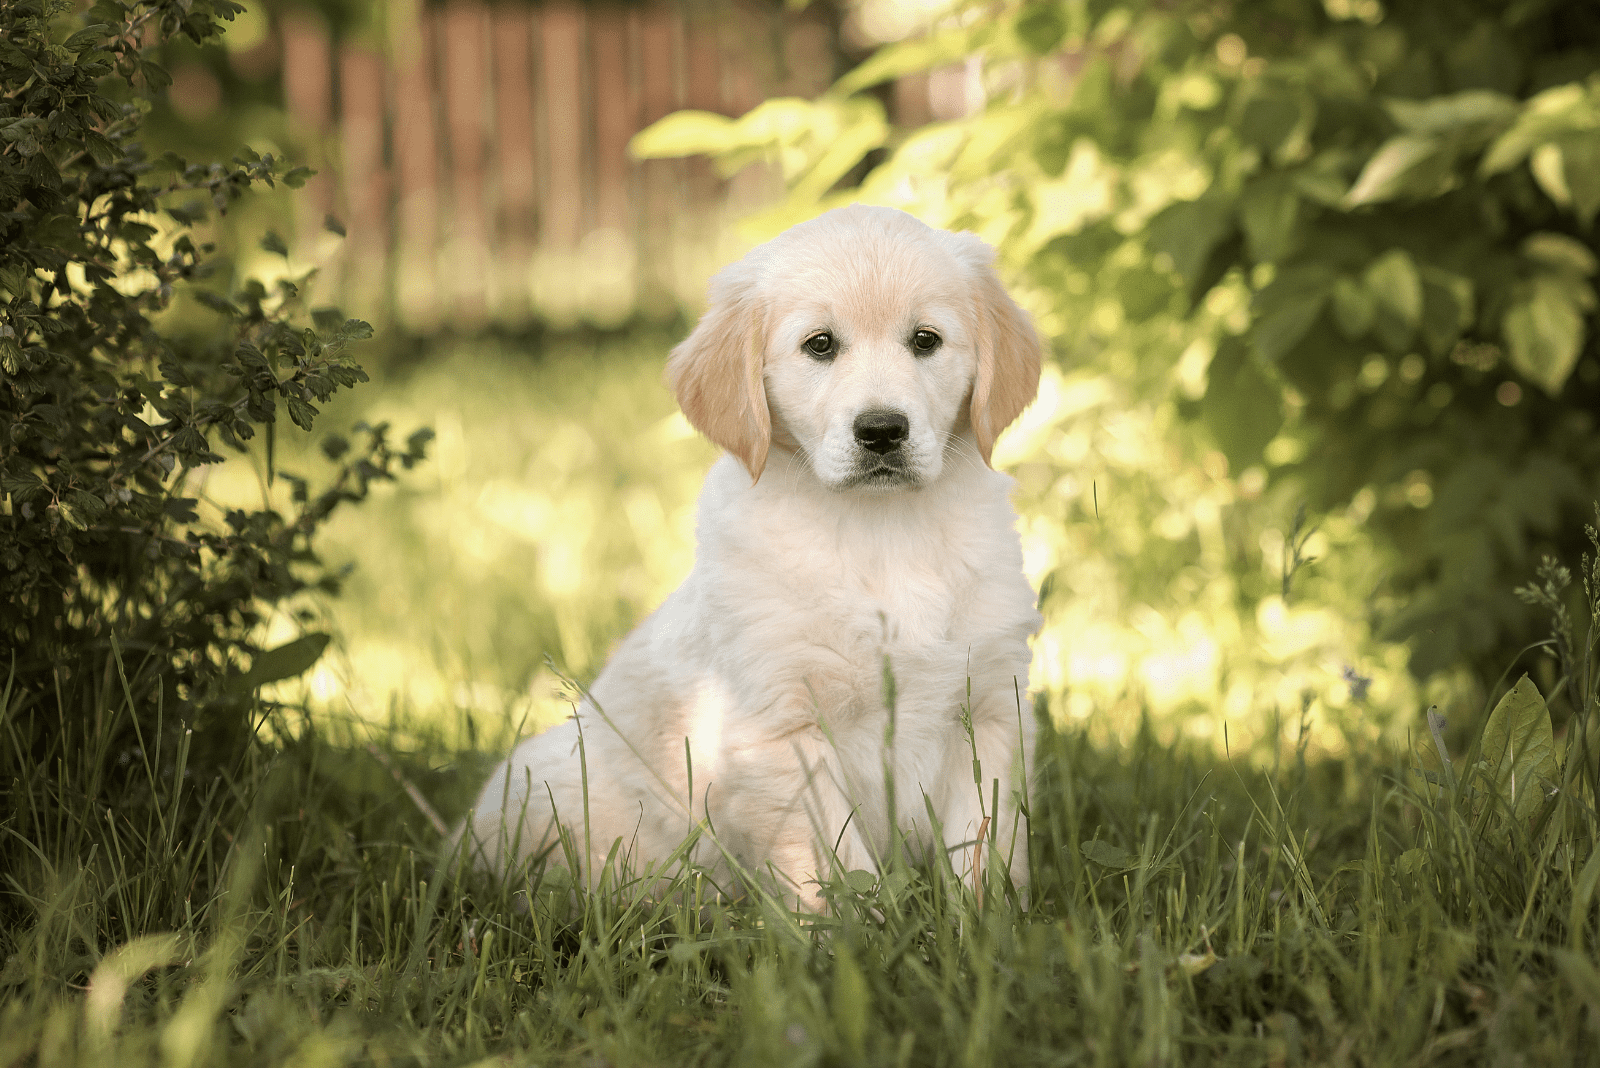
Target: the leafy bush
(113, 588)
(1350, 243)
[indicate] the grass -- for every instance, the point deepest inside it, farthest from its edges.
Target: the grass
(291, 910)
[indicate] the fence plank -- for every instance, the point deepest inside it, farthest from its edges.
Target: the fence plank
(308, 97)
(365, 177)
(516, 159)
(561, 27)
(416, 156)
(465, 26)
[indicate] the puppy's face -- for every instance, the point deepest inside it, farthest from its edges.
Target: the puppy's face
(869, 366)
(865, 342)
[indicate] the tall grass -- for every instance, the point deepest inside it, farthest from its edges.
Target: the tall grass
(1185, 909)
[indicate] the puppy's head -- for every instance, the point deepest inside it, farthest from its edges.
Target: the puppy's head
(864, 341)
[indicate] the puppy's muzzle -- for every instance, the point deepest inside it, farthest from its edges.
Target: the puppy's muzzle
(882, 430)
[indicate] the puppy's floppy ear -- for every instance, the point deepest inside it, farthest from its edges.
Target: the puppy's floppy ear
(1009, 350)
(716, 372)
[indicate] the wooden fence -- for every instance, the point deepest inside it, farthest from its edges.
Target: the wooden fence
(480, 167)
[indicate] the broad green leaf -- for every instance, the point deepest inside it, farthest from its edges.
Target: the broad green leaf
(1242, 408)
(1406, 165)
(1277, 332)
(285, 662)
(1040, 26)
(683, 133)
(1142, 292)
(1268, 119)
(1107, 855)
(1580, 158)
(1561, 252)
(1560, 110)
(1544, 333)
(919, 53)
(1353, 308)
(1394, 283)
(1188, 231)
(1268, 211)
(1448, 308)
(1549, 170)
(1447, 114)
(860, 880)
(863, 129)
(1519, 748)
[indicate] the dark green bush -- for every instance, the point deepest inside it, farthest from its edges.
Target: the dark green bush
(115, 593)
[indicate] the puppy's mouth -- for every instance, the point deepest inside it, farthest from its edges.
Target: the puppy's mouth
(882, 472)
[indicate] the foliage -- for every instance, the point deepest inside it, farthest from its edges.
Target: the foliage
(1350, 245)
(112, 404)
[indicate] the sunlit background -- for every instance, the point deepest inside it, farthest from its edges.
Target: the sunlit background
(477, 202)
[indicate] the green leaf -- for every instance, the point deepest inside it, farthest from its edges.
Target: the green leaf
(1242, 408)
(683, 133)
(101, 150)
(1353, 308)
(919, 53)
(1394, 283)
(1189, 230)
(1278, 331)
(155, 75)
(1268, 211)
(1544, 332)
(1268, 119)
(1411, 164)
(301, 412)
(1519, 749)
(1559, 110)
(1580, 162)
(1448, 114)
(1040, 26)
(1107, 855)
(860, 881)
(284, 662)
(87, 504)
(1561, 252)
(1448, 308)
(273, 243)
(87, 37)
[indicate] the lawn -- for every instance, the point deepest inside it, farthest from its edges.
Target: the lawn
(1193, 902)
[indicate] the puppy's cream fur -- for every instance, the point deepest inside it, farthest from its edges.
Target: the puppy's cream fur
(819, 563)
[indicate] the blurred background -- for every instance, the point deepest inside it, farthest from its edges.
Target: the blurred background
(1300, 441)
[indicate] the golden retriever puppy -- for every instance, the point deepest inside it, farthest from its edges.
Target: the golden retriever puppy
(857, 605)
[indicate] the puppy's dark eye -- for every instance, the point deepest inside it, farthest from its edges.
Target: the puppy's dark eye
(924, 341)
(821, 346)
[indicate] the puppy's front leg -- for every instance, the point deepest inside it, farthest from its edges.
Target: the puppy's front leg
(988, 809)
(791, 804)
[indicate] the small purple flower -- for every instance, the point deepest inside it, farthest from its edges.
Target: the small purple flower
(1358, 683)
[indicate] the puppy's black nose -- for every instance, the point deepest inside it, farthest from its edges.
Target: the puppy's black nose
(881, 430)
